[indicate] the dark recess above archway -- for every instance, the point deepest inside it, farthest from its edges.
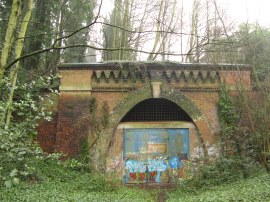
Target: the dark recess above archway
(156, 109)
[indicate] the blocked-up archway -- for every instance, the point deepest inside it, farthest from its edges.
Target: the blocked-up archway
(140, 122)
(156, 141)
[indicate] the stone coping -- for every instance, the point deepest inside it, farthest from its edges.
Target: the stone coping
(152, 66)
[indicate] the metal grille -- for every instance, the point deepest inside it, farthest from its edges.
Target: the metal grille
(156, 110)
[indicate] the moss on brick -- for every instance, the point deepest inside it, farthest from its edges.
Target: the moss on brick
(182, 101)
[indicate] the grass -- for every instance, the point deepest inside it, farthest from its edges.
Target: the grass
(63, 192)
(54, 182)
(256, 188)
(57, 183)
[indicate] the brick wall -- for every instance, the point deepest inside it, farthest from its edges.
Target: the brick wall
(73, 122)
(70, 125)
(112, 98)
(47, 134)
(207, 103)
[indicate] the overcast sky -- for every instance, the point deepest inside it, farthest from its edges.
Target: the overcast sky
(238, 10)
(248, 10)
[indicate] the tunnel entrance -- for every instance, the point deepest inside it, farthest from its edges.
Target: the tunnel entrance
(156, 110)
(155, 142)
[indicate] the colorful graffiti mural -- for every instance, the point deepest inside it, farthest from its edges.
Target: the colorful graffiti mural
(155, 155)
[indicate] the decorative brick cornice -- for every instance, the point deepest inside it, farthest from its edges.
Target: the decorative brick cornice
(198, 88)
(168, 75)
(113, 89)
(113, 76)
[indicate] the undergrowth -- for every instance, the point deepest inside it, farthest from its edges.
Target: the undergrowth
(256, 188)
(57, 182)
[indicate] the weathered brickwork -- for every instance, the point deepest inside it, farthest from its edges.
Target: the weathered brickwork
(72, 122)
(112, 98)
(47, 134)
(193, 87)
(207, 103)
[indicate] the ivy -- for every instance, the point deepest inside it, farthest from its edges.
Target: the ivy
(17, 147)
(228, 113)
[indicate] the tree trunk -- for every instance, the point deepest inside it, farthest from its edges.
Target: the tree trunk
(151, 55)
(12, 23)
(18, 51)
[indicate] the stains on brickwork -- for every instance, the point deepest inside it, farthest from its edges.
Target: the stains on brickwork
(47, 134)
(72, 123)
(171, 94)
(193, 87)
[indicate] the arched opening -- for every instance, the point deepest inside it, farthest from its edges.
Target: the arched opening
(156, 110)
(185, 122)
(155, 137)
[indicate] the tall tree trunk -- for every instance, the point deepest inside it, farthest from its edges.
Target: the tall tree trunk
(141, 27)
(158, 25)
(18, 51)
(194, 24)
(12, 23)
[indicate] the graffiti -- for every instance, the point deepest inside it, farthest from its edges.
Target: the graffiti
(153, 170)
(154, 155)
(157, 148)
(114, 164)
(212, 150)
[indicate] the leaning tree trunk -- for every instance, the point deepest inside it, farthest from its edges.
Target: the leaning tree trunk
(18, 52)
(8, 42)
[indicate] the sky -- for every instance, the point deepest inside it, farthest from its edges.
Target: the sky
(248, 10)
(238, 10)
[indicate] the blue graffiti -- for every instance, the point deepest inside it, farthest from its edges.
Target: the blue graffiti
(160, 165)
(174, 162)
(140, 166)
(135, 166)
(131, 165)
(154, 167)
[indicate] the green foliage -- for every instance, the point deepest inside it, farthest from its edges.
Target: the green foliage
(58, 183)
(62, 18)
(76, 14)
(245, 125)
(17, 148)
(256, 188)
(16, 151)
(227, 112)
(5, 6)
(221, 171)
(116, 38)
(254, 45)
(229, 120)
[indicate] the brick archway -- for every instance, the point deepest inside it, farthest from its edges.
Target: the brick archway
(115, 141)
(174, 95)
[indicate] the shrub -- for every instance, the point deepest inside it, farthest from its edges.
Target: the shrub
(17, 148)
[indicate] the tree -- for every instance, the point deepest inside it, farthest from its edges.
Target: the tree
(13, 44)
(209, 38)
(119, 38)
(163, 29)
(77, 14)
(25, 17)
(40, 34)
